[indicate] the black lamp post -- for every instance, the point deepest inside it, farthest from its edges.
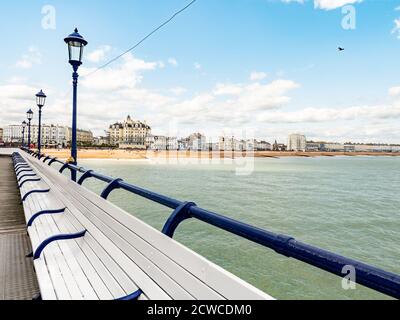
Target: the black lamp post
(40, 101)
(29, 115)
(23, 132)
(75, 43)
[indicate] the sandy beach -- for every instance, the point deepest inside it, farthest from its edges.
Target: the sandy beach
(64, 154)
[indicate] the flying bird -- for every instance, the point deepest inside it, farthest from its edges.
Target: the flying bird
(340, 49)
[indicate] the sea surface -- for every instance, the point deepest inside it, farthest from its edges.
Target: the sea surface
(348, 205)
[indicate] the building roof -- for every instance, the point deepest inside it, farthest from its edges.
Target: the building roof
(129, 123)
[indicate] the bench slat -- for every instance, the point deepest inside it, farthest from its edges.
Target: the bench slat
(119, 287)
(101, 289)
(137, 275)
(185, 279)
(216, 277)
(168, 284)
(84, 266)
(49, 260)
(60, 260)
(69, 254)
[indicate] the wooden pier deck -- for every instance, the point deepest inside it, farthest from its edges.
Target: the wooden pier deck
(17, 276)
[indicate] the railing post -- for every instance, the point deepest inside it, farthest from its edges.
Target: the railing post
(111, 186)
(180, 214)
(85, 176)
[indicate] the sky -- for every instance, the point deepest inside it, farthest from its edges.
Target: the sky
(249, 68)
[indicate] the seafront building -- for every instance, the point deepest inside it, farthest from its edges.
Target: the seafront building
(313, 146)
(232, 144)
(160, 143)
(297, 142)
(194, 142)
(12, 134)
(332, 147)
(279, 146)
(129, 134)
(263, 146)
(350, 147)
(51, 135)
(229, 144)
(375, 148)
(101, 141)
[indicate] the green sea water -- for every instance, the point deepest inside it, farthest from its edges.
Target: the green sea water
(348, 205)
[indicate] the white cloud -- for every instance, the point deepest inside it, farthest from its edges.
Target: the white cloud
(332, 114)
(99, 54)
(223, 89)
(15, 100)
(178, 91)
(257, 96)
(396, 28)
(173, 62)
(325, 4)
(125, 75)
(394, 91)
(257, 76)
(17, 91)
(197, 66)
(333, 4)
(29, 59)
(230, 104)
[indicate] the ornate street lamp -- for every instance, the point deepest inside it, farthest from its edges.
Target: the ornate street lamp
(40, 101)
(29, 115)
(75, 43)
(23, 132)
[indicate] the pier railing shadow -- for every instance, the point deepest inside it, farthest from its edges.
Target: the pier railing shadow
(372, 277)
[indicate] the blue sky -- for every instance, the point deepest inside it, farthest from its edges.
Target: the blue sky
(262, 68)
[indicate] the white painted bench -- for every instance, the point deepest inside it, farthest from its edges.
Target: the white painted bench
(118, 255)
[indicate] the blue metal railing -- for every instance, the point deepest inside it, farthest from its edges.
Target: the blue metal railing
(369, 276)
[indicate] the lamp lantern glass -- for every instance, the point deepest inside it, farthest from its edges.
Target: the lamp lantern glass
(75, 43)
(41, 99)
(29, 114)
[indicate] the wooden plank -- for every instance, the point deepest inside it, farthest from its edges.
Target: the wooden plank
(45, 283)
(111, 282)
(115, 278)
(117, 272)
(182, 277)
(81, 280)
(87, 278)
(136, 274)
(17, 275)
(163, 280)
(147, 265)
(49, 261)
(60, 261)
(99, 276)
(72, 269)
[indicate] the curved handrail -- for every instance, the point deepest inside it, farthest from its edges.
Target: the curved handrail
(375, 278)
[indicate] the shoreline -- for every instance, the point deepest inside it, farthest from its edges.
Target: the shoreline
(143, 155)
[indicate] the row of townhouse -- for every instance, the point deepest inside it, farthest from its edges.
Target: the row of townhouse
(51, 135)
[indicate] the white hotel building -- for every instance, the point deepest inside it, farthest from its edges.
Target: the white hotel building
(297, 142)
